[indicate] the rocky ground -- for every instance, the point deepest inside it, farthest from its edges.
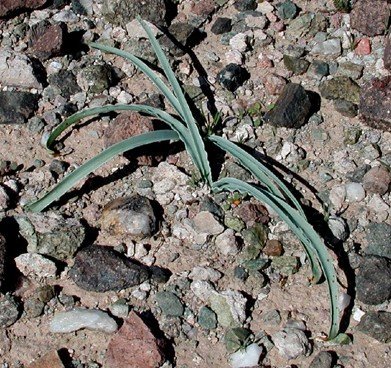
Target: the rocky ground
(140, 265)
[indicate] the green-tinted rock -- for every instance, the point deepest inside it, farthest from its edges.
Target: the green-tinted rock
(236, 339)
(340, 88)
(296, 65)
(170, 304)
(232, 169)
(352, 136)
(234, 223)
(95, 78)
(256, 264)
(255, 239)
(207, 318)
(221, 307)
(286, 265)
(286, 10)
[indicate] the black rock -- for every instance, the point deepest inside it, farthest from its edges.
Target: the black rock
(99, 268)
(373, 282)
(66, 82)
(17, 107)
(376, 325)
(58, 167)
(221, 25)
(244, 5)
(292, 108)
(379, 239)
(232, 76)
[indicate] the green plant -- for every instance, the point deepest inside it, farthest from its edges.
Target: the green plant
(270, 190)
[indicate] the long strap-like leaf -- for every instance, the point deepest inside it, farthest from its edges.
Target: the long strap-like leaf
(303, 230)
(75, 176)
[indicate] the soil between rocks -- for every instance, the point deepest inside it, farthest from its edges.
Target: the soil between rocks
(29, 338)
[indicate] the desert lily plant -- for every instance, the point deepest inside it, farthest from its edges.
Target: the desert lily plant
(183, 126)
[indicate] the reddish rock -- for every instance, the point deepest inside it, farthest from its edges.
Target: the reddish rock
(47, 39)
(375, 102)
(203, 7)
(363, 46)
(274, 84)
(10, 7)
(135, 346)
(49, 360)
(251, 213)
(387, 54)
(129, 124)
(370, 16)
(377, 180)
(273, 248)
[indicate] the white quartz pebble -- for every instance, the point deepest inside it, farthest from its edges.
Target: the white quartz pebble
(248, 357)
(78, 318)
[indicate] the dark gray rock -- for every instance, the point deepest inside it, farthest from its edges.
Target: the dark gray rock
(370, 16)
(47, 39)
(292, 108)
(324, 359)
(9, 310)
(376, 325)
(232, 77)
(11, 7)
(387, 54)
(95, 78)
(121, 12)
(51, 234)
(2, 261)
(373, 281)
(82, 7)
(295, 64)
(340, 88)
(243, 5)
(221, 25)
(346, 108)
(65, 82)
(379, 239)
(207, 318)
(16, 107)
(170, 304)
(375, 102)
(58, 167)
(99, 268)
(286, 10)
(182, 33)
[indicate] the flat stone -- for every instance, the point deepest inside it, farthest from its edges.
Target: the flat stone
(330, 47)
(379, 239)
(363, 46)
(51, 234)
(35, 265)
(376, 325)
(377, 180)
(350, 70)
(370, 16)
(47, 40)
(132, 216)
(291, 109)
(286, 265)
(18, 70)
(135, 346)
(121, 12)
(340, 88)
(9, 311)
(205, 273)
(205, 222)
(170, 304)
(16, 107)
(373, 280)
(322, 360)
(99, 268)
(375, 102)
(11, 7)
(49, 360)
(346, 108)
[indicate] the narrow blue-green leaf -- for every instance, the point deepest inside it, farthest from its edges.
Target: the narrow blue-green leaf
(201, 158)
(303, 230)
(146, 70)
(81, 172)
(160, 114)
(260, 171)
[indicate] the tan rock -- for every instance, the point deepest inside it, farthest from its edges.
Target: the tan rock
(49, 360)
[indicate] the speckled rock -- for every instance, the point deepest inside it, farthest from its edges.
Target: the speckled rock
(65, 82)
(95, 78)
(291, 343)
(373, 281)
(243, 5)
(291, 109)
(221, 25)
(121, 12)
(232, 77)
(135, 346)
(47, 40)
(132, 216)
(50, 234)
(375, 102)
(170, 304)
(322, 360)
(35, 265)
(16, 107)
(207, 318)
(9, 310)
(377, 325)
(342, 88)
(377, 180)
(295, 64)
(99, 268)
(370, 16)
(379, 239)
